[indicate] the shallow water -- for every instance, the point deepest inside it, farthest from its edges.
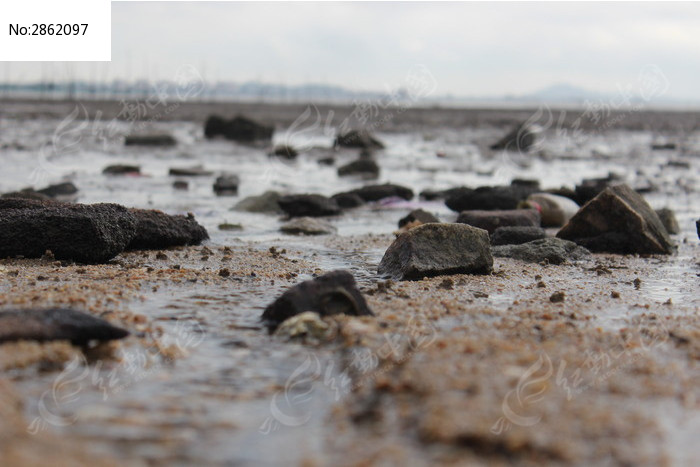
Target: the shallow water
(213, 406)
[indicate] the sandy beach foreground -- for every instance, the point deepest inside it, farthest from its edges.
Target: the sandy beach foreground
(453, 370)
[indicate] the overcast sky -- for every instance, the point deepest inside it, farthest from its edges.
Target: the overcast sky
(472, 49)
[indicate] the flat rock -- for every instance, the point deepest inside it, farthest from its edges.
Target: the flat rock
(239, 128)
(357, 139)
(284, 151)
(488, 198)
(87, 233)
(618, 220)
(122, 169)
(264, 203)
(418, 216)
(361, 167)
(65, 191)
(25, 194)
(550, 250)
(156, 230)
(308, 226)
(348, 200)
(311, 205)
(491, 220)
(330, 294)
(432, 195)
(227, 185)
(197, 171)
(668, 219)
(377, 192)
(589, 188)
(437, 249)
(516, 235)
(150, 140)
(56, 324)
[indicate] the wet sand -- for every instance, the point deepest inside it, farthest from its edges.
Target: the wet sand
(453, 370)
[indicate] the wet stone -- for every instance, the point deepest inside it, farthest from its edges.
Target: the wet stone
(157, 230)
(311, 205)
(371, 193)
(227, 185)
(150, 140)
(417, 217)
(361, 167)
(618, 220)
(358, 139)
(491, 220)
(437, 249)
(56, 324)
(122, 169)
(332, 293)
(516, 235)
(668, 219)
(239, 128)
(549, 250)
(308, 226)
(264, 203)
(488, 198)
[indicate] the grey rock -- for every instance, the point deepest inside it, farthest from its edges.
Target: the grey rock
(284, 151)
(618, 220)
(330, 294)
(348, 200)
(226, 185)
(491, 220)
(87, 233)
(156, 230)
(308, 226)
(516, 235)
(376, 192)
(239, 128)
(488, 198)
(65, 191)
(418, 215)
(668, 219)
(56, 324)
(197, 171)
(521, 138)
(308, 205)
(358, 139)
(437, 249)
(122, 169)
(363, 167)
(150, 140)
(265, 203)
(550, 250)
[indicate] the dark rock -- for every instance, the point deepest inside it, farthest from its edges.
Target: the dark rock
(437, 249)
(432, 195)
(591, 187)
(550, 250)
(534, 184)
(25, 194)
(284, 151)
(230, 227)
(491, 220)
(265, 203)
(239, 128)
(358, 139)
(65, 190)
(364, 167)
(697, 227)
(376, 192)
(308, 205)
(56, 324)
(226, 185)
(156, 230)
(181, 185)
(122, 169)
(520, 138)
(308, 226)
(557, 297)
(330, 294)
(150, 140)
(418, 215)
(662, 146)
(678, 164)
(348, 200)
(87, 233)
(328, 160)
(668, 219)
(197, 171)
(618, 220)
(214, 126)
(516, 235)
(488, 198)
